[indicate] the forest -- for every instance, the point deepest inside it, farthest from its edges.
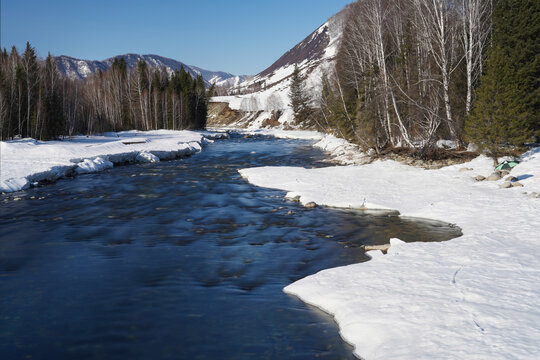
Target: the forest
(37, 101)
(410, 72)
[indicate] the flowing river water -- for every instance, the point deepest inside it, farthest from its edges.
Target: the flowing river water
(178, 260)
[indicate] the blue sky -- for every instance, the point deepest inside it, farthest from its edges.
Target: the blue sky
(237, 36)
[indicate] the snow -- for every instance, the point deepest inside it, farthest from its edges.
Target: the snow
(342, 151)
(146, 157)
(448, 144)
(228, 82)
(474, 297)
(26, 161)
(285, 134)
(83, 68)
(93, 165)
(275, 97)
(260, 105)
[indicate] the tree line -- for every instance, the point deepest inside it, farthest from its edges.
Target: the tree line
(409, 72)
(37, 101)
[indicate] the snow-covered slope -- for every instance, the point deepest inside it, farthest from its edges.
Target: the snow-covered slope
(266, 95)
(80, 69)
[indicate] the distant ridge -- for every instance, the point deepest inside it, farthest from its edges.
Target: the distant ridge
(80, 69)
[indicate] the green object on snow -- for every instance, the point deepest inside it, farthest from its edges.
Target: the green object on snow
(506, 165)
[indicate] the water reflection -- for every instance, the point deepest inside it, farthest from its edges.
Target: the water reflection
(179, 260)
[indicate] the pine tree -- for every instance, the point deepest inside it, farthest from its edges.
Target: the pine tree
(508, 99)
(53, 124)
(299, 98)
(31, 70)
(211, 91)
(201, 103)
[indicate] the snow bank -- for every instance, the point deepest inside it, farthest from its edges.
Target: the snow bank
(284, 134)
(475, 297)
(145, 157)
(339, 149)
(342, 151)
(27, 161)
(93, 165)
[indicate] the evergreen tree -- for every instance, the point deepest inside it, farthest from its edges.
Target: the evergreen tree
(508, 99)
(211, 91)
(187, 98)
(201, 103)
(299, 98)
(53, 117)
(31, 70)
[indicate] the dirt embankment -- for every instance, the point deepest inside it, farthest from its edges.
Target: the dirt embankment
(220, 114)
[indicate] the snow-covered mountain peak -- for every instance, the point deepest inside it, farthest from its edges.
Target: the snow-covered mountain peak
(80, 69)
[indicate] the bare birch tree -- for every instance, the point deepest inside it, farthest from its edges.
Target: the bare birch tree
(438, 31)
(476, 29)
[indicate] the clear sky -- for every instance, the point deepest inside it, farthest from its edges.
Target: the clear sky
(237, 36)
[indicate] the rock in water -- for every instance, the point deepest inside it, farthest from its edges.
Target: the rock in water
(384, 248)
(311, 205)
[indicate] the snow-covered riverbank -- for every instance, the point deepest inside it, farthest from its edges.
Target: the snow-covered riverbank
(475, 297)
(27, 161)
(339, 149)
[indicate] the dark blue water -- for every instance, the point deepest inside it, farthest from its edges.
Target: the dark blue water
(177, 260)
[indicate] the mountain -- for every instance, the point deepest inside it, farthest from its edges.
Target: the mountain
(80, 69)
(263, 100)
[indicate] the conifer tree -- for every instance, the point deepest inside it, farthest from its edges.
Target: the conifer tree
(53, 123)
(211, 91)
(31, 70)
(508, 99)
(299, 98)
(201, 104)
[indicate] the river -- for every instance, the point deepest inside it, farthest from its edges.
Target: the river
(178, 260)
